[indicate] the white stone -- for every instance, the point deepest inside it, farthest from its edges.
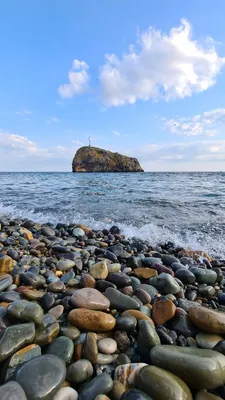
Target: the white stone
(107, 346)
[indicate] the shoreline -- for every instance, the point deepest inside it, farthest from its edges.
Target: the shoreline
(104, 315)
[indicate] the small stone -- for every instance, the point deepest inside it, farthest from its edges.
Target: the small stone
(41, 377)
(14, 338)
(79, 372)
(78, 232)
(116, 267)
(70, 331)
(122, 340)
(12, 391)
(90, 320)
(120, 301)
(5, 281)
(185, 276)
(46, 334)
(146, 340)
(208, 320)
(26, 311)
(64, 265)
(138, 315)
(107, 346)
(47, 301)
(127, 373)
(165, 283)
(99, 270)
(143, 296)
(87, 281)
(46, 231)
(20, 357)
(162, 311)
(126, 323)
(56, 287)
(134, 394)
(26, 233)
(90, 298)
(62, 347)
(56, 311)
(66, 393)
(90, 348)
(119, 279)
(204, 275)
(199, 368)
(203, 395)
(160, 384)
(101, 384)
(208, 340)
(6, 264)
(145, 273)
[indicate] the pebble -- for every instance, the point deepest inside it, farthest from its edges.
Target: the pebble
(121, 301)
(26, 311)
(147, 338)
(161, 384)
(91, 299)
(203, 395)
(204, 275)
(162, 311)
(107, 346)
(145, 273)
(64, 265)
(12, 391)
(6, 264)
(101, 384)
(99, 270)
(91, 320)
(208, 320)
(165, 283)
(62, 347)
(134, 394)
(127, 373)
(5, 281)
(208, 340)
(20, 357)
(79, 372)
(90, 348)
(66, 393)
(32, 376)
(199, 368)
(14, 338)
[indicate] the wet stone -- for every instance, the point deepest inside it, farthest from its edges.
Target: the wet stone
(90, 348)
(70, 331)
(14, 338)
(162, 311)
(47, 301)
(90, 320)
(165, 283)
(66, 393)
(119, 279)
(99, 270)
(134, 394)
(208, 340)
(64, 265)
(26, 311)
(107, 346)
(12, 391)
(91, 299)
(120, 301)
(204, 275)
(36, 281)
(62, 347)
(9, 296)
(80, 371)
(20, 357)
(147, 338)
(208, 320)
(5, 281)
(32, 377)
(185, 276)
(101, 384)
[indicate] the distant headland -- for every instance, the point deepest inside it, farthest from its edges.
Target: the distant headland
(94, 159)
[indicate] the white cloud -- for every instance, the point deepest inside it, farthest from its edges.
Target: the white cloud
(23, 113)
(208, 123)
(167, 66)
(52, 119)
(116, 133)
(203, 155)
(78, 80)
(77, 142)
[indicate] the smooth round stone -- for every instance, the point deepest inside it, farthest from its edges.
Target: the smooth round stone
(116, 267)
(134, 394)
(207, 291)
(5, 281)
(47, 301)
(78, 232)
(70, 331)
(14, 338)
(56, 287)
(151, 290)
(41, 377)
(120, 301)
(102, 285)
(9, 296)
(162, 385)
(126, 323)
(204, 275)
(12, 391)
(145, 273)
(138, 315)
(168, 259)
(46, 231)
(208, 320)
(127, 373)
(107, 346)
(91, 320)
(56, 311)
(46, 335)
(143, 296)
(90, 298)
(26, 311)
(119, 279)
(62, 347)
(20, 357)
(220, 347)
(117, 390)
(104, 359)
(66, 393)
(150, 261)
(99, 270)
(199, 368)
(79, 372)
(206, 396)
(101, 384)
(147, 338)
(162, 311)
(182, 324)
(6, 264)
(185, 276)
(207, 340)
(64, 265)
(67, 277)
(165, 283)
(90, 348)
(36, 281)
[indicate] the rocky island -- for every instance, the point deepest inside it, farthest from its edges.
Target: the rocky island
(94, 159)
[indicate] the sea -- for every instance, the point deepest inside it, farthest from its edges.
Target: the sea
(185, 208)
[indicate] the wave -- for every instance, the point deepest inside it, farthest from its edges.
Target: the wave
(150, 232)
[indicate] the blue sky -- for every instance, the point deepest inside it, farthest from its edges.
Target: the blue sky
(144, 78)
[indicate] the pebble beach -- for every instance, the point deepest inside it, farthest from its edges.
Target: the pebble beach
(92, 315)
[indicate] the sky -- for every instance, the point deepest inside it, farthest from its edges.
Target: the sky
(143, 78)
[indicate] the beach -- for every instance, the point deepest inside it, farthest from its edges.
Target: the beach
(103, 316)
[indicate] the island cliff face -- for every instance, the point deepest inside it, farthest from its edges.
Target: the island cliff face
(93, 159)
